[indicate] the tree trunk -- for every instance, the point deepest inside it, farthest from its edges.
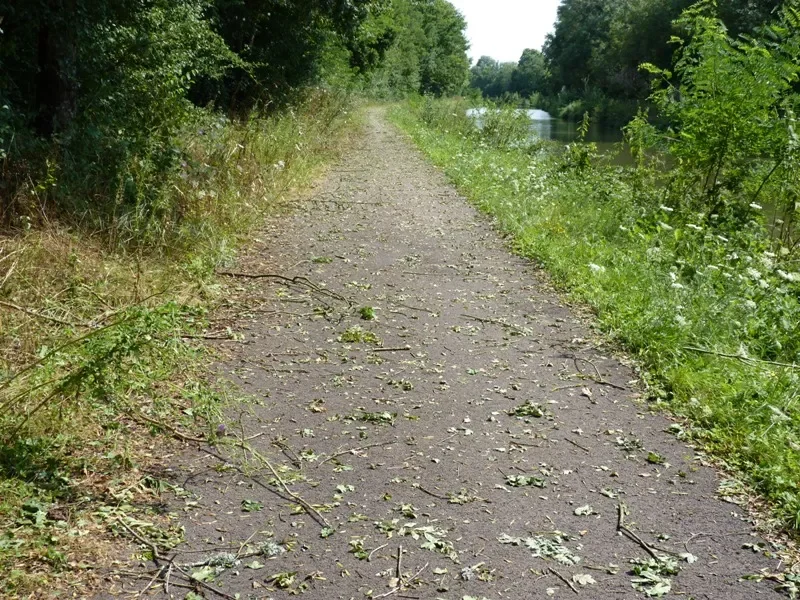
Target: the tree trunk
(57, 85)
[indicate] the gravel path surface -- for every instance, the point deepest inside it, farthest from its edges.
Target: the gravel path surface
(473, 440)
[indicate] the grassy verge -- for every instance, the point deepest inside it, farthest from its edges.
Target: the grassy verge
(713, 317)
(99, 320)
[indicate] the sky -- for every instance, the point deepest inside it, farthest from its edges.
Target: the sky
(502, 29)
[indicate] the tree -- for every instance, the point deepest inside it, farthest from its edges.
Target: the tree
(581, 31)
(531, 74)
(429, 51)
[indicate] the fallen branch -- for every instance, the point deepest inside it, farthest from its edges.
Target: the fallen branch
(564, 579)
(744, 359)
(44, 317)
(425, 310)
(622, 528)
(170, 428)
(153, 548)
(309, 509)
(297, 280)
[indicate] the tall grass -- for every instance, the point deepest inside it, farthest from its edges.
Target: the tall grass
(715, 316)
(96, 304)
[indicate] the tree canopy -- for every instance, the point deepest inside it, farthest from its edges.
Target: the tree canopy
(591, 59)
(106, 86)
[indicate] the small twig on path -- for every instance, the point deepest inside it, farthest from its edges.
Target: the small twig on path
(353, 451)
(209, 587)
(310, 509)
(430, 493)
(401, 349)
(599, 378)
(152, 581)
(297, 280)
(564, 579)
(517, 328)
(400, 563)
(425, 310)
(622, 528)
(369, 557)
(577, 445)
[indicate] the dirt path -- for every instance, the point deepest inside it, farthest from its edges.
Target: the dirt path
(463, 454)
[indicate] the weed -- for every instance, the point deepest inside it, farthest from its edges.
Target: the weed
(357, 335)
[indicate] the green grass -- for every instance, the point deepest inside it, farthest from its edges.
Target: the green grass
(660, 285)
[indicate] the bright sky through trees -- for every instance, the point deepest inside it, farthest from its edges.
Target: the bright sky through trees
(502, 29)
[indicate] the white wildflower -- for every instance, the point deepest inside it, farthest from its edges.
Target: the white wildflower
(664, 226)
(791, 277)
(681, 321)
(280, 165)
(722, 238)
(673, 275)
(755, 206)
(695, 227)
(762, 283)
(597, 268)
(750, 304)
(666, 208)
(678, 286)
(754, 274)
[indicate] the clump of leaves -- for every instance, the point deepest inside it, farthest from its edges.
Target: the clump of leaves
(652, 575)
(584, 511)
(545, 547)
(655, 459)
(383, 418)
(271, 549)
(322, 260)
(464, 496)
(629, 444)
(367, 313)
(358, 335)
(357, 548)
(525, 480)
(529, 409)
(252, 505)
(401, 384)
(433, 538)
(283, 580)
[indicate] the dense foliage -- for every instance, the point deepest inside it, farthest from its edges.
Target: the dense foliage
(95, 96)
(591, 60)
(690, 258)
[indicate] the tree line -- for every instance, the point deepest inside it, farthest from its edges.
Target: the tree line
(590, 62)
(93, 90)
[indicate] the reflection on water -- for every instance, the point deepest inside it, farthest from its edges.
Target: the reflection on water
(547, 127)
